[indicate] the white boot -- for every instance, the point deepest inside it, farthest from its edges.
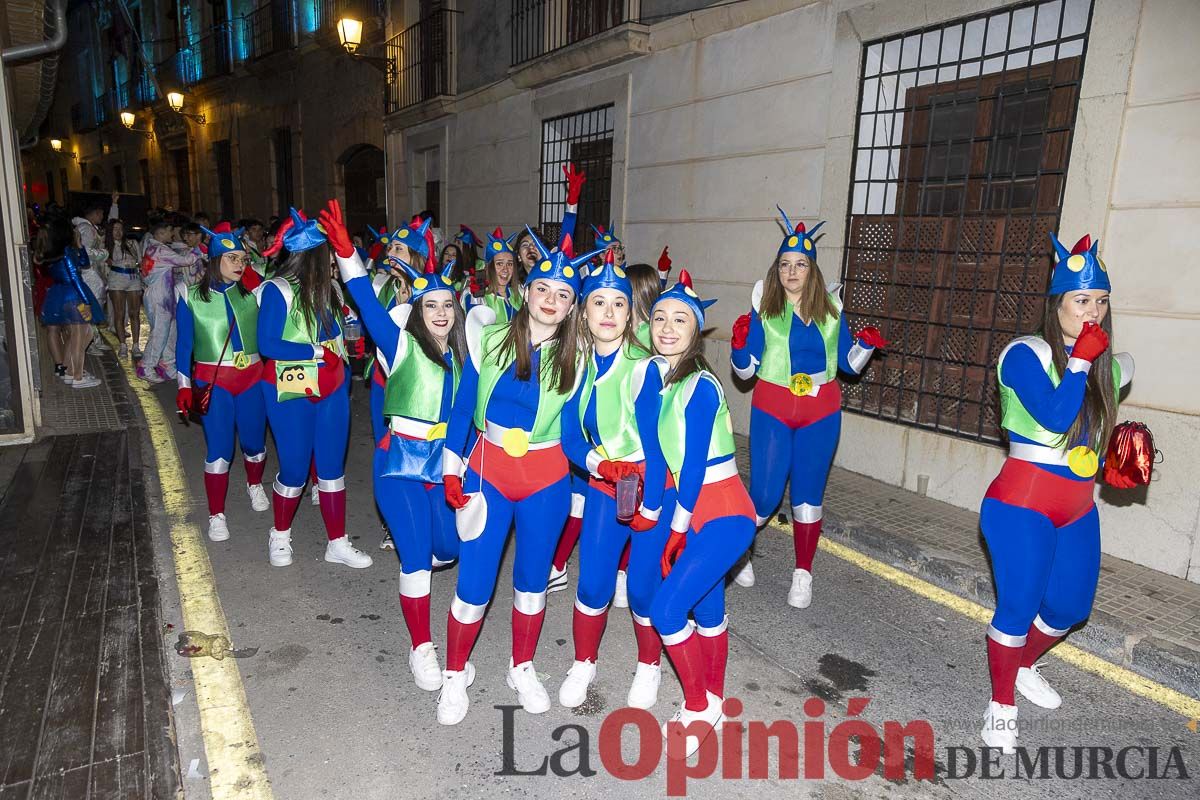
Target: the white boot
(218, 531)
(745, 576)
(574, 688)
(423, 662)
(1035, 689)
(621, 595)
(711, 716)
(530, 692)
(453, 701)
(258, 497)
(1000, 727)
(558, 579)
(314, 495)
(800, 595)
(340, 551)
(643, 692)
(279, 547)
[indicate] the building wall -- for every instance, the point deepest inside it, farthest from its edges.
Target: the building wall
(714, 128)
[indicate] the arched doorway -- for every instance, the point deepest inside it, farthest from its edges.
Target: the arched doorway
(95, 184)
(366, 198)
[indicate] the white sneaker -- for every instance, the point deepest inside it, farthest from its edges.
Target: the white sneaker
(86, 382)
(643, 692)
(386, 542)
(800, 595)
(621, 595)
(1035, 689)
(574, 687)
(1000, 727)
(530, 692)
(453, 701)
(314, 495)
(423, 662)
(745, 576)
(340, 551)
(258, 497)
(218, 531)
(279, 547)
(711, 716)
(558, 579)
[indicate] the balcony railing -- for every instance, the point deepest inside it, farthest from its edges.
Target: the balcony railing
(271, 29)
(543, 26)
(425, 59)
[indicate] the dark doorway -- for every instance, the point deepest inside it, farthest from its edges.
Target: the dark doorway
(363, 176)
(183, 180)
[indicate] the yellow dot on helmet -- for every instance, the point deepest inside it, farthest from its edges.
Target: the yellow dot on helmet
(793, 241)
(608, 238)
(690, 291)
(1100, 261)
(227, 243)
(497, 246)
(403, 233)
(570, 273)
(420, 283)
(1076, 263)
(808, 244)
(620, 272)
(544, 266)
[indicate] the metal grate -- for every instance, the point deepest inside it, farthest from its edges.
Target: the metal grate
(961, 151)
(424, 57)
(543, 26)
(585, 139)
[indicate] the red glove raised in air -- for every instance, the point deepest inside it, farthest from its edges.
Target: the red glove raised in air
(664, 265)
(613, 471)
(871, 337)
(575, 181)
(1091, 343)
(741, 332)
(183, 399)
(454, 492)
(641, 524)
(672, 551)
(277, 245)
(335, 229)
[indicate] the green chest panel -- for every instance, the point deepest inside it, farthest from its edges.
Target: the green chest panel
(212, 323)
(547, 422)
(414, 389)
(672, 423)
(614, 394)
(776, 366)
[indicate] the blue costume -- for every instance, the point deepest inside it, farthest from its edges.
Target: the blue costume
(61, 306)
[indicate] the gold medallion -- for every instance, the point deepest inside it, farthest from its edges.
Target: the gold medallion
(801, 384)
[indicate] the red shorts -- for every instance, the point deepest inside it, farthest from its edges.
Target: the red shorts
(793, 411)
(1026, 485)
(725, 498)
(518, 477)
(610, 489)
(231, 379)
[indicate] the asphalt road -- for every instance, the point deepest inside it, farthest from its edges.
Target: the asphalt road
(338, 716)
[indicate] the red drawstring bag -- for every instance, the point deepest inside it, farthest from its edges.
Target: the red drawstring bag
(1131, 455)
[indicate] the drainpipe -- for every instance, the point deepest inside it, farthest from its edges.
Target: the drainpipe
(25, 52)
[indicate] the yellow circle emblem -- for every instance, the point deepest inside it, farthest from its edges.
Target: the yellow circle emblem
(793, 241)
(515, 442)
(403, 233)
(690, 292)
(808, 244)
(227, 243)
(1083, 461)
(608, 238)
(620, 272)
(1103, 266)
(420, 283)
(497, 246)
(570, 273)
(544, 266)
(436, 432)
(1076, 263)
(801, 384)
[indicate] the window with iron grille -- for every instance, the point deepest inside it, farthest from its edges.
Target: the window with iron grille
(585, 139)
(544, 26)
(961, 149)
(223, 161)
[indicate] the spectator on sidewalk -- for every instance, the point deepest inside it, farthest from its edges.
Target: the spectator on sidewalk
(70, 308)
(124, 286)
(162, 266)
(92, 241)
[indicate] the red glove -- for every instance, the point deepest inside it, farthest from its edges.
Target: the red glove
(613, 471)
(1091, 343)
(183, 399)
(741, 331)
(454, 492)
(664, 264)
(871, 337)
(575, 180)
(330, 359)
(277, 245)
(641, 524)
(335, 229)
(672, 551)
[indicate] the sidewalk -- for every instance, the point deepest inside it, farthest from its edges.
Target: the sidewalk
(1143, 620)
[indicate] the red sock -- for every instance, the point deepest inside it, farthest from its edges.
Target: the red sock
(716, 655)
(216, 485)
(689, 663)
(1036, 645)
(416, 617)
(649, 644)
(587, 631)
(333, 511)
(526, 628)
(1003, 663)
(312, 471)
(566, 542)
(285, 510)
(460, 638)
(624, 565)
(805, 536)
(254, 471)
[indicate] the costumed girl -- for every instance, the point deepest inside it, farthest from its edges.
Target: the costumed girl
(305, 383)
(509, 407)
(217, 321)
(1058, 400)
(498, 294)
(617, 397)
(795, 339)
(421, 347)
(712, 523)
(70, 308)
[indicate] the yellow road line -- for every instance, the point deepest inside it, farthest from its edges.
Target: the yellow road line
(235, 765)
(1128, 680)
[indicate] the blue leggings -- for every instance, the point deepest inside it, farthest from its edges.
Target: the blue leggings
(808, 449)
(1040, 570)
(421, 523)
(378, 425)
(600, 544)
(246, 412)
(644, 575)
(696, 583)
(304, 430)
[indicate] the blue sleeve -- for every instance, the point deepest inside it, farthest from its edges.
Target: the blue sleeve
(1054, 408)
(385, 333)
(755, 342)
(568, 224)
(272, 314)
(76, 281)
(700, 416)
(184, 334)
(646, 407)
(574, 440)
(845, 342)
(458, 429)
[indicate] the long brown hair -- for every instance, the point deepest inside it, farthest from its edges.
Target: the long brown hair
(493, 283)
(127, 244)
(587, 344)
(646, 289)
(213, 278)
(566, 350)
(456, 340)
(692, 360)
(814, 304)
(310, 268)
(1098, 413)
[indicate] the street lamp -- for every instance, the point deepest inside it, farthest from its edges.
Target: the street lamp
(128, 118)
(350, 35)
(57, 146)
(175, 101)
